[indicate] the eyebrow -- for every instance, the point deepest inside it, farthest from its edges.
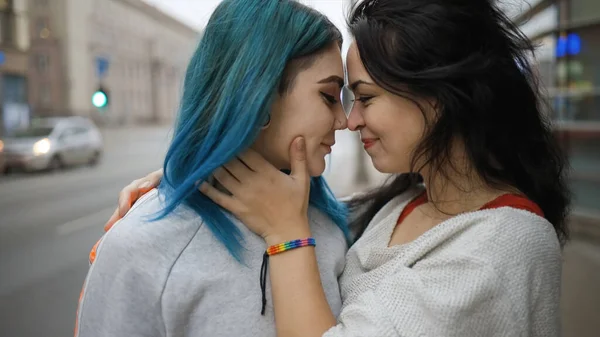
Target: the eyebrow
(334, 79)
(355, 84)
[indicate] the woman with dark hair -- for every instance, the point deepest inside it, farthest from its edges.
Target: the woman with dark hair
(465, 239)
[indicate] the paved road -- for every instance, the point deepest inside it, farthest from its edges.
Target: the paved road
(49, 222)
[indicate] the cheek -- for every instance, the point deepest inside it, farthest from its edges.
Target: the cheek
(400, 131)
(404, 134)
(315, 123)
(296, 118)
(273, 142)
(316, 127)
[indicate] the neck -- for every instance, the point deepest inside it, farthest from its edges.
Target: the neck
(459, 192)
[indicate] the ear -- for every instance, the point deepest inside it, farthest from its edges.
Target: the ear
(276, 107)
(268, 123)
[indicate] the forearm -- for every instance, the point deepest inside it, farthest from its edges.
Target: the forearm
(301, 308)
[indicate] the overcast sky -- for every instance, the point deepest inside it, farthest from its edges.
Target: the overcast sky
(197, 12)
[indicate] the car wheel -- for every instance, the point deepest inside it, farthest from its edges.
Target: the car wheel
(55, 164)
(95, 158)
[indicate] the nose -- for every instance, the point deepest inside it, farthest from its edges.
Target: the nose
(341, 122)
(355, 119)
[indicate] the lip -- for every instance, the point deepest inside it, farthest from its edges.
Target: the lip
(368, 142)
(328, 146)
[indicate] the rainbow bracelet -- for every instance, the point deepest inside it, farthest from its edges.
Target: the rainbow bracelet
(282, 247)
(276, 249)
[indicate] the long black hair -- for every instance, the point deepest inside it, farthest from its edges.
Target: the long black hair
(474, 62)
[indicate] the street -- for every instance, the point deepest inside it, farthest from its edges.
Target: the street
(50, 221)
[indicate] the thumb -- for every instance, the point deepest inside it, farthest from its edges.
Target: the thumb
(298, 160)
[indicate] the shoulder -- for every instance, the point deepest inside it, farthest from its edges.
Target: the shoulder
(513, 234)
(523, 249)
(509, 255)
(138, 239)
(518, 249)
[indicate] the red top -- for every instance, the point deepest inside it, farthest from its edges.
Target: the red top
(506, 200)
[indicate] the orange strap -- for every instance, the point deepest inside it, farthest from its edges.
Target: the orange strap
(515, 201)
(506, 200)
(416, 202)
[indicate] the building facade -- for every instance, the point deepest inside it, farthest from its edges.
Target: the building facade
(47, 85)
(14, 61)
(568, 35)
(134, 51)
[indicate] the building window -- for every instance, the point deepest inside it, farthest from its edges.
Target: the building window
(42, 63)
(578, 110)
(45, 96)
(578, 66)
(15, 88)
(7, 22)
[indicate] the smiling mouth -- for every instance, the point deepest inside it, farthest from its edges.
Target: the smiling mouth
(368, 142)
(327, 147)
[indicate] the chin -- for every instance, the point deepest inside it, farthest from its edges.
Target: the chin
(316, 166)
(382, 166)
(390, 167)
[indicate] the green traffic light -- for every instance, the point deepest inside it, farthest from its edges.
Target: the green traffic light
(99, 99)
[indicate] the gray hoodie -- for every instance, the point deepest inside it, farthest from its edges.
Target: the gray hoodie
(171, 277)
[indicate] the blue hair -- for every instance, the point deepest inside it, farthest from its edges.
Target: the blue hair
(229, 86)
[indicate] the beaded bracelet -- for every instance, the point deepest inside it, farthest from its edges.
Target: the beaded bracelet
(277, 249)
(282, 247)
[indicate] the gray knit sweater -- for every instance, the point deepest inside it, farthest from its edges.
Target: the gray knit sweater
(173, 278)
(493, 273)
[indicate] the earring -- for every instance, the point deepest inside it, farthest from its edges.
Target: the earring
(266, 125)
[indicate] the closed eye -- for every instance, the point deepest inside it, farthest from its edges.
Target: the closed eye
(364, 99)
(329, 98)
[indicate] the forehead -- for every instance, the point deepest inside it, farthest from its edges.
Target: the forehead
(355, 68)
(327, 63)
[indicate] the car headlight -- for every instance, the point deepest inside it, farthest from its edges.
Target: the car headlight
(41, 147)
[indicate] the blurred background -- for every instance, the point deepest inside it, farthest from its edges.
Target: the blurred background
(88, 92)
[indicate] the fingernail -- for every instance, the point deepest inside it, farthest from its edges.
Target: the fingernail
(301, 144)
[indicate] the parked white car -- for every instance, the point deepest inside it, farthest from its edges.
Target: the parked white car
(53, 143)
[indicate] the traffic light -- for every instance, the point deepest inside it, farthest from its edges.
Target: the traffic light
(100, 98)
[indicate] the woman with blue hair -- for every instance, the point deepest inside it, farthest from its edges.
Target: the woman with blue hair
(177, 264)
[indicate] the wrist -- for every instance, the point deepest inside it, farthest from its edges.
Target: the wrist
(291, 232)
